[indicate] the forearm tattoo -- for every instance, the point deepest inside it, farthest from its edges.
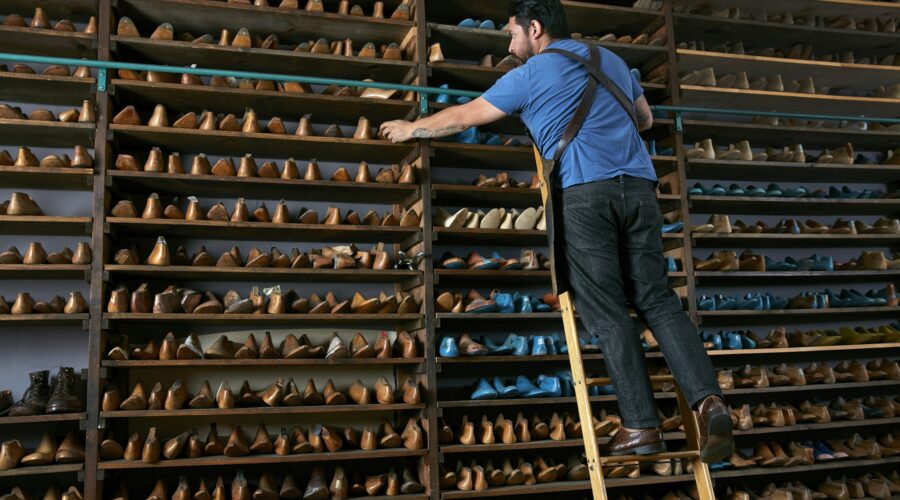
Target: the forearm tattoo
(427, 133)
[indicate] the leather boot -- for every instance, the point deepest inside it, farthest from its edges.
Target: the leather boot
(63, 396)
(34, 401)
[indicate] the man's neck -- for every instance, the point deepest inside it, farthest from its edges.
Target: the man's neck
(546, 43)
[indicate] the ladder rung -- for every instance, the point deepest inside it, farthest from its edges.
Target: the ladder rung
(658, 457)
(596, 381)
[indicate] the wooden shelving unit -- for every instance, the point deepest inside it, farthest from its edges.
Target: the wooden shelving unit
(444, 382)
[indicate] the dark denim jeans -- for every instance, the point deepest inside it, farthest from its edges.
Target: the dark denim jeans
(614, 253)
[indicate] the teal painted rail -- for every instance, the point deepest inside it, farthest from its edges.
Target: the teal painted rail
(103, 66)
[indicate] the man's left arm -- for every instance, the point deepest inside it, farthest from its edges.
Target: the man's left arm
(447, 122)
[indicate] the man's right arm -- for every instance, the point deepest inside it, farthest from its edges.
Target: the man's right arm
(644, 116)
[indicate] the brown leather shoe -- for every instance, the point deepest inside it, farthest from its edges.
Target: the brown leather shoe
(716, 441)
(63, 396)
(34, 401)
(635, 442)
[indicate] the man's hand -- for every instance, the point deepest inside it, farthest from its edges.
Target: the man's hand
(396, 130)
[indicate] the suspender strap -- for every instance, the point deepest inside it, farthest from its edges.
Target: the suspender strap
(584, 107)
(597, 73)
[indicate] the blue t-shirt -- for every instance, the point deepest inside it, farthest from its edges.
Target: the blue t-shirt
(547, 89)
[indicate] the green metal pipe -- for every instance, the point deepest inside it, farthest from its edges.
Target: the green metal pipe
(106, 65)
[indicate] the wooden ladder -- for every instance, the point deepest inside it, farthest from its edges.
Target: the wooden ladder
(595, 462)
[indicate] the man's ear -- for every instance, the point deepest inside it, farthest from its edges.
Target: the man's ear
(536, 28)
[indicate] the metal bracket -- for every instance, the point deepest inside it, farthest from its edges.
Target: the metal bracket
(679, 126)
(101, 80)
(423, 103)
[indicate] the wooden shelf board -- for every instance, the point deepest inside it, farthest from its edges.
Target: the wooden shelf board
(42, 419)
(34, 41)
(811, 138)
(563, 486)
(790, 172)
(449, 154)
(44, 271)
(238, 363)
(59, 90)
(211, 56)
(47, 177)
(43, 319)
(45, 224)
(42, 470)
(239, 143)
(457, 276)
(797, 314)
(777, 205)
(261, 188)
(747, 277)
(255, 273)
(446, 235)
(863, 8)
(714, 97)
(46, 134)
(219, 461)
(75, 10)
(224, 319)
(280, 410)
(260, 230)
(462, 195)
(326, 108)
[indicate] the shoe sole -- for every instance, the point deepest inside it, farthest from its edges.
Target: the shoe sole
(649, 449)
(719, 425)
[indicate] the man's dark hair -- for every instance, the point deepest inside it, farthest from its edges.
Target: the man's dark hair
(549, 13)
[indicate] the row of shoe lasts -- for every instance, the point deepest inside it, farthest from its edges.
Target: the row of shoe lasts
(402, 13)
(224, 167)
(51, 70)
(341, 486)
(68, 451)
(523, 430)
(244, 40)
(174, 300)
(496, 218)
(153, 209)
(514, 345)
(249, 124)
(290, 347)
(471, 135)
(872, 485)
(503, 180)
(816, 411)
(528, 260)
(25, 304)
(338, 257)
(842, 155)
(719, 223)
(728, 260)
(707, 78)
(657, 38)
(39, 398)
(276, 394)
(318, 439)
(82, 159)
(53, 492)
(543, 386)
(886, 297)
(476, 477)
(436, 56)
(774, 121)
(884, 24)
(814, 373)
(498, 302)
(73, 115)
(796, 51)
(773, 190)
(779, 339)
(36, 255)
(40, 20)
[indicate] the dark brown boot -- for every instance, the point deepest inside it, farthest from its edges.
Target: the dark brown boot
(634, 442)
(714, 420)
(64, 396)
(34, 401)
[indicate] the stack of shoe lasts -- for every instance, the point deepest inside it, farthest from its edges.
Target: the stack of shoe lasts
(719, 223)
(514, 345)
(544, 386)
(25, 304)
(26, 159)
(528, 260)
(497, 218)
(498, 302)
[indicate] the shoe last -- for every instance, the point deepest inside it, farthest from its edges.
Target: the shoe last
(539, 345)
(484, 390)
(448, 348)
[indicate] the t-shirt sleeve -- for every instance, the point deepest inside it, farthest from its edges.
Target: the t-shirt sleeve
(510, 93)
(636, 89)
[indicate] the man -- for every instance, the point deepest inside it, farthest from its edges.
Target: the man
(604, 201)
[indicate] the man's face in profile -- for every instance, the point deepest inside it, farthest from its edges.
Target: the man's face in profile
(520, 41)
